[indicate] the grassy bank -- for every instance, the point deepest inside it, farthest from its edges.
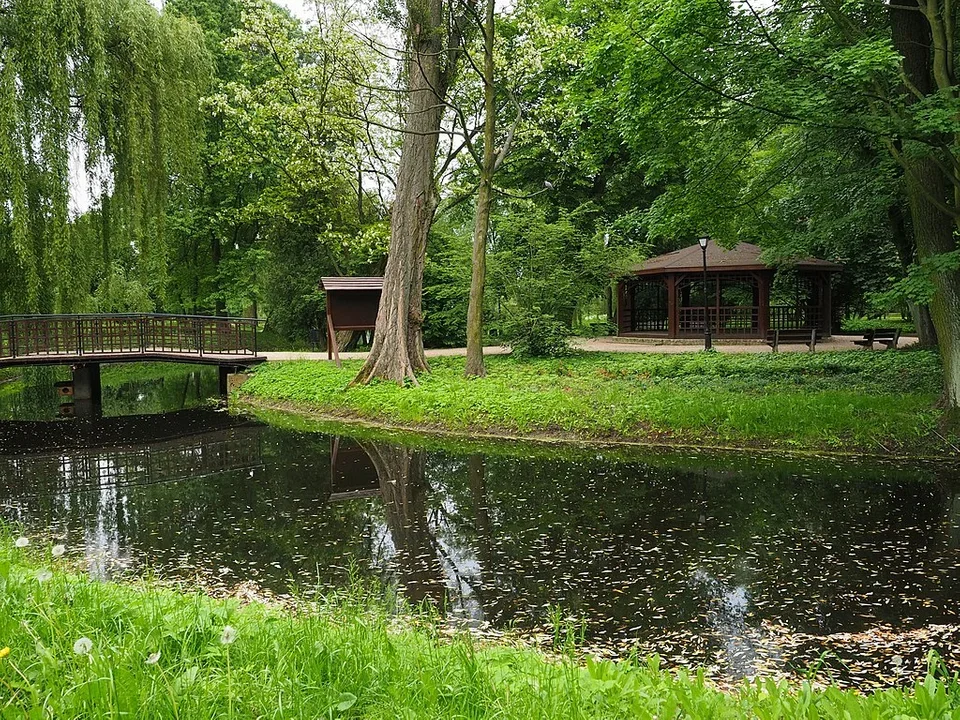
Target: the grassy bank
(72, 648)
(878, 402)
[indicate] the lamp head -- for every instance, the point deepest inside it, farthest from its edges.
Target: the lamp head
(703, 242)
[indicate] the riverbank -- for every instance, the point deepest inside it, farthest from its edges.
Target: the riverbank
(72, 647)
(881, 402)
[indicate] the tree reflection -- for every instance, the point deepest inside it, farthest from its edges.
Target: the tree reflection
(403, 487)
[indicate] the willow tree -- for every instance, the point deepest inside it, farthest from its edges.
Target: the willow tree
(110, 88)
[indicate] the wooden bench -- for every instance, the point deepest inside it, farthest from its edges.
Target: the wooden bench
(805, 336)
(885, 336)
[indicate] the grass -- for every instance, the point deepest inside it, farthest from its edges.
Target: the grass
(74, 648)
(879, 401)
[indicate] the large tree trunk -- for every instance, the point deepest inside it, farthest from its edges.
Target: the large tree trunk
(932, 205)
(906, 251)
(397, 351)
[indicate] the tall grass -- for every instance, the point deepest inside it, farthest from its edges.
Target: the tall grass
(874, 401)
(74, 648)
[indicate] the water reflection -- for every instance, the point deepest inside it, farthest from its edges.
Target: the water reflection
(742, 564)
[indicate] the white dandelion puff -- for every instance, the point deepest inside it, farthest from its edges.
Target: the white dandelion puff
(21, 542)
(83, 646)
(153, 658)
(228, 635)
(44, 575)
(58, 550)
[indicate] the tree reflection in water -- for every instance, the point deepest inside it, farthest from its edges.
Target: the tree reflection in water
(403, 487)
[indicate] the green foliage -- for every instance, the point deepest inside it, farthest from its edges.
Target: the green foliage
(80, 648)
(553, 264)
(118, 292)
(534, 334)
(878, 402)
(446, 285)
(918, 285)
(278, 205)
(119, 83)
(595, 328)
(862, 324)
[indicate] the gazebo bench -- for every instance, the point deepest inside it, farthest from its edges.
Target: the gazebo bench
(885, 336)
(804, 336)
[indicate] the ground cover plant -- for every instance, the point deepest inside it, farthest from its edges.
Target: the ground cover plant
(877, 401)
(73, 647)
(862, 324)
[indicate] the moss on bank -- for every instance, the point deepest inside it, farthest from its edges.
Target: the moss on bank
(71, 647)
(877, 402)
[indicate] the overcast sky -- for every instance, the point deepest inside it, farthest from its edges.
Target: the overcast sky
(301, 8)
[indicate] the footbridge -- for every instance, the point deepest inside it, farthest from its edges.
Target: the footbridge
(87, 341)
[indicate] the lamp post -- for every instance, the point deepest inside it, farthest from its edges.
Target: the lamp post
(707, 342)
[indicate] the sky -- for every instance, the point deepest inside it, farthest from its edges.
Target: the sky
(303, 9)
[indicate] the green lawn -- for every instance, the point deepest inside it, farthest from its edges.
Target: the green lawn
(873, 401)
(74, 648)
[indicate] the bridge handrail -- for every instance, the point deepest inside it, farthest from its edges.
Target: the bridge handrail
(126, 334)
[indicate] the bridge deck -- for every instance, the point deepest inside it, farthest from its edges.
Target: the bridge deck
(111, 338)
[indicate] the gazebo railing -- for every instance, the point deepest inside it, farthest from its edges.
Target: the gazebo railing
(738, 320)
(649, 320)
(794, 317)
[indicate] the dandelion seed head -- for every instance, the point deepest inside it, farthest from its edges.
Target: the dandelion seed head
(21, 542)
(58, 550)
(83, 646)
(153, 658)
(43, 575)
(228, 635)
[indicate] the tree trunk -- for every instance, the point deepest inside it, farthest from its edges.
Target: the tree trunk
(928, 191)
(481, 224)
(481, 220)
(906, 251)
(397, 351)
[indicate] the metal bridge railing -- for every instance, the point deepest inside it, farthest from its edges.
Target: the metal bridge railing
(126, 334)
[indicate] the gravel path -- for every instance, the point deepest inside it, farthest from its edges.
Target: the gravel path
(615, 344)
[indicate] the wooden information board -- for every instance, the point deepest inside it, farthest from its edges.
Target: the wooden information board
(352, 304)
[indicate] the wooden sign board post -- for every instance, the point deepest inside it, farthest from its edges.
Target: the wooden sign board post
(352, 304)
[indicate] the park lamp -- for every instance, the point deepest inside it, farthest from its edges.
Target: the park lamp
(707, 340)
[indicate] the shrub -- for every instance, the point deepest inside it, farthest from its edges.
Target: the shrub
(862, 324)
(533, 334)
(596, 328)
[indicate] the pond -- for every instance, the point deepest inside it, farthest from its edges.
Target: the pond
(745, 564)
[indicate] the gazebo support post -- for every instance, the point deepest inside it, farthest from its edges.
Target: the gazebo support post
(763, 303)
(826, 307)
(623, 322)
(673, 318)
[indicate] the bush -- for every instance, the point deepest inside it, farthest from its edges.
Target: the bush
(533, 334)
(862, 324)
(596, 328)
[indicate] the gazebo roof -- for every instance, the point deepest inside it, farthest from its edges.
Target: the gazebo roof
(744, 257)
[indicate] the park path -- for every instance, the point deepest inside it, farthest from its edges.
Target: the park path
(613, 344)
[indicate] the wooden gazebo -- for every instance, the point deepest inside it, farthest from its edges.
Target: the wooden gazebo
(665, 296)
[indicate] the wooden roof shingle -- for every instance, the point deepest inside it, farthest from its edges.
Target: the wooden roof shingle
(744, 257)
(351, 283)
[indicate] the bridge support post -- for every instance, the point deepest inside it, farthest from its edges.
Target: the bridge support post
(225, 372)
(87, 392)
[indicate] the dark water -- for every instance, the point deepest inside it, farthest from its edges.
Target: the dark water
(745, 564)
